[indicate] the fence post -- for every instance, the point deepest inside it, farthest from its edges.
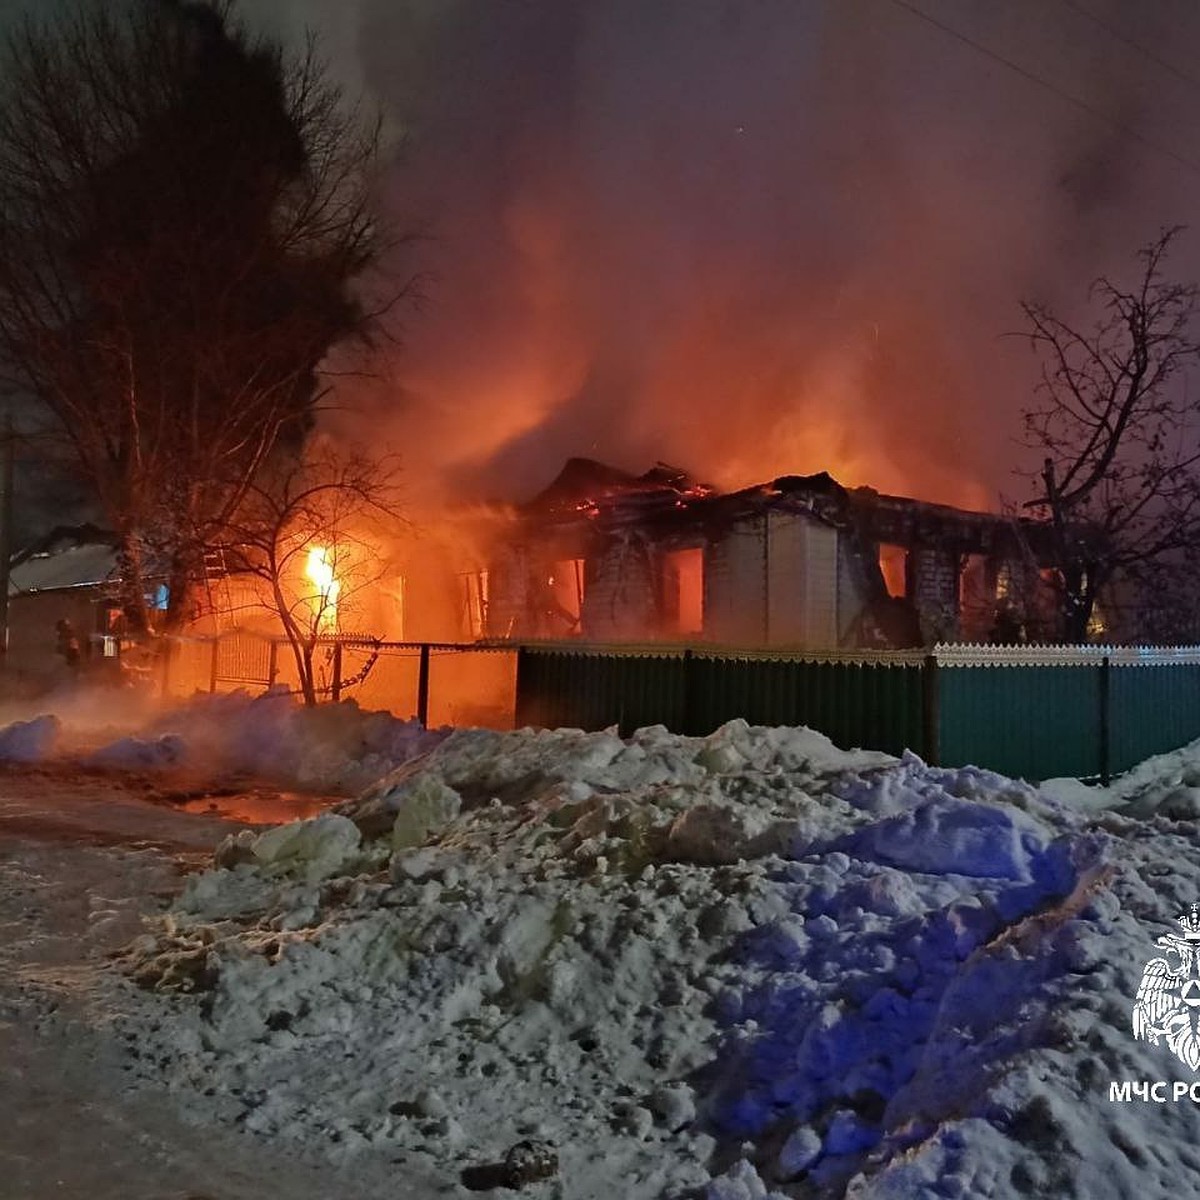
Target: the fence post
(521, 690)
(930, 714)
(688, 716)
(336, 686)
(423, 686)
(212, 671)
(272, 663)
(1105, 722)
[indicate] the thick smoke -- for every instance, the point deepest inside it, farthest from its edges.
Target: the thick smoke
(751, 237)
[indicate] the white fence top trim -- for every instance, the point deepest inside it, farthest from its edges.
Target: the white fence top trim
(980, 655)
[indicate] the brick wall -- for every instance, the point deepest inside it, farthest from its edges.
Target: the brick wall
(508, 595)
(620, 598)
(933, 589)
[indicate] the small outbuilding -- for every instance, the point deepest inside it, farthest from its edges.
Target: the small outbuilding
(66, 576)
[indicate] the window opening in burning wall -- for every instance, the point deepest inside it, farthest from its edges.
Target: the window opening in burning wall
(683, 591)
(977, 597)
(566, 589)
(893, 562)
(475, 599)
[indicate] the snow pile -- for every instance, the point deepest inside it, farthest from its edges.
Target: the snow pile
(29, 741)
(1166, 785)
(726, 966)
(335, 748)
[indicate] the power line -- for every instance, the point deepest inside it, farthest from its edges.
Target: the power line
(1025, 73)
(1191, 80)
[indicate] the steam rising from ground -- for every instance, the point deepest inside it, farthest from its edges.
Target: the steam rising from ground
(86, 715)
(270, 738)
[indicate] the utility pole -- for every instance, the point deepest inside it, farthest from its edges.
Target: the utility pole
(7, 456)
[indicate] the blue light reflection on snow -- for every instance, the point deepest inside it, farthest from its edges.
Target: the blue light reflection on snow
(866, 1007)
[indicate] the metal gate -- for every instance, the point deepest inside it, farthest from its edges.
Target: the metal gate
(243, 660)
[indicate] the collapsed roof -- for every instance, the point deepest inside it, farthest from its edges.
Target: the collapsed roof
(669, 500)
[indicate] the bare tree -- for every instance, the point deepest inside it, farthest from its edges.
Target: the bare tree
(1120, 480)
(308, 531)
(184, 210)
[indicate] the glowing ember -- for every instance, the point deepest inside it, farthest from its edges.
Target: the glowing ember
(319, 570)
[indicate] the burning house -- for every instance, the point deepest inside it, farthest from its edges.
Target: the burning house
(797, 562)
(605, 556)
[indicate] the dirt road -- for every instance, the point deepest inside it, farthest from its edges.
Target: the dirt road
(83, 858)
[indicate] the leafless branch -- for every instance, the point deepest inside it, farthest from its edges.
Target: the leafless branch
(1120, 481)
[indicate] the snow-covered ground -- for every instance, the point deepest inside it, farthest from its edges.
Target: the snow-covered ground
(726, 967)
(83, 859)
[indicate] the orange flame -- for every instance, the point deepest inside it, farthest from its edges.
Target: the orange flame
(319, 571)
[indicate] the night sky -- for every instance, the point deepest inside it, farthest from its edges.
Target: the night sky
(753, 236)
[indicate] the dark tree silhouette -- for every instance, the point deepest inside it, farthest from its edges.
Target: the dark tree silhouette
(1120, 480)
(184, 211)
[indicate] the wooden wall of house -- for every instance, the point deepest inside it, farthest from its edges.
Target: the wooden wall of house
(235, 601)
(32, 637)
(773, 582)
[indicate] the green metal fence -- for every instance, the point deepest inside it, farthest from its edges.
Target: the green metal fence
(1154, 708)
(861, 702)
(593, 689)
(856, 700)
(1027, 721)
(1030, 711)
